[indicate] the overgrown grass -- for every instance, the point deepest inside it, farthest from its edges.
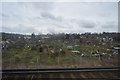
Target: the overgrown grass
(26, 56)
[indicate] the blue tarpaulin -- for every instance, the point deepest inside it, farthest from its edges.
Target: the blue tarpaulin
(75, 51)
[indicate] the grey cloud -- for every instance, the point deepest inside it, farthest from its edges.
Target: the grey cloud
(50, 16)
(47, 15)
(4, 15)
(34, 18)
(57, 21)
(110, 24)
(84, 23)
(51, 30)
(7, 29)
(37, 17)
(62, 25)
(20, 28)
(23, 28)
(44, 6)
(87, 24)
(58, 25)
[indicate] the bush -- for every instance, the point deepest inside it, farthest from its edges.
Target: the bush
(62, 52)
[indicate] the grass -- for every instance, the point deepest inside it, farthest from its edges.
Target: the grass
(27, 58)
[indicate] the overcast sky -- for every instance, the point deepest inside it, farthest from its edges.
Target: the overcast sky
(59, 17)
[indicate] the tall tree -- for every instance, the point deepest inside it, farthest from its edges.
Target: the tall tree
(33, 35)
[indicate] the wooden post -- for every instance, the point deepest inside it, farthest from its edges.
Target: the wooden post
(99, 57)
(58, 59)
(37, 60)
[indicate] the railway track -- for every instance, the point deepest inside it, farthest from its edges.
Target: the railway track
(82, 72)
